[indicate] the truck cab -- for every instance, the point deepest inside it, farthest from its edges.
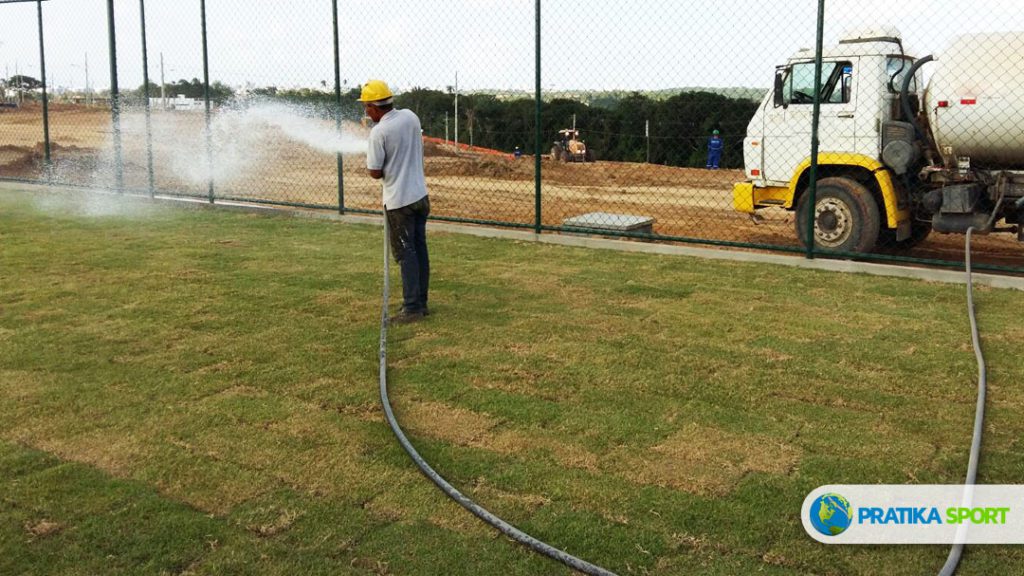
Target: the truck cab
(858, 201)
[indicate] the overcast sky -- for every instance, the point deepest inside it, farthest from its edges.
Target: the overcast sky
(587, 44)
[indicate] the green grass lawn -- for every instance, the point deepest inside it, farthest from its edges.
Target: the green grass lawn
(195, 392)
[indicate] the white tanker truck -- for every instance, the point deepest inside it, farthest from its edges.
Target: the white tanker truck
(893, 165)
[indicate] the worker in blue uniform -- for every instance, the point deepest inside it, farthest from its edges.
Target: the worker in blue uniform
(714, 151)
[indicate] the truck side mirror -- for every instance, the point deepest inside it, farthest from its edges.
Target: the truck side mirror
(779, 96)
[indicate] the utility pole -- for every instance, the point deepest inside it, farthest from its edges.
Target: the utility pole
(88, 92)
(163, 85)
(456, 112)
(445, 126)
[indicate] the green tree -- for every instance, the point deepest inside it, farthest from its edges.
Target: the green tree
(219, 92)
(22, 85)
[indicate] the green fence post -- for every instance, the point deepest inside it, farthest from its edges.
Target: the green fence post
(537, 128)
(46, 102)
(145, 88)
(206, 99)
(812, 189)
(115, 99)
(337, 111)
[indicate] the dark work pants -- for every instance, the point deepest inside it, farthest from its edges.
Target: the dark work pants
(714, 157)
(408, 232)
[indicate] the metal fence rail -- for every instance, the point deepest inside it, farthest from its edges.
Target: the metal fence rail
(739, 124)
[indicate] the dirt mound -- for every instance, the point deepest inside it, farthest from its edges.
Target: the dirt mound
(25, 161)
(433, 149)
(619, 174)
(19, 160)
(481, 166)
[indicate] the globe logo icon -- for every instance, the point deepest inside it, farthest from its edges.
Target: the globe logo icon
(831, 514)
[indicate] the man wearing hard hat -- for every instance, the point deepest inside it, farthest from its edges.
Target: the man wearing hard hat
(395, 156)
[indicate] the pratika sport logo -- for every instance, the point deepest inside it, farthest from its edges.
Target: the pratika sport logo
(831, 514)
(914, 514)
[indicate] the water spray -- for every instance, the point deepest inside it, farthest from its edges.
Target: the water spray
(239, 136)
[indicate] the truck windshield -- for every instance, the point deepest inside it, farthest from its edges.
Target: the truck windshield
(895, 68)
(836, 83)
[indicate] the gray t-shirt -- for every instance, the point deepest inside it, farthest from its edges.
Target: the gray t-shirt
(396, 147)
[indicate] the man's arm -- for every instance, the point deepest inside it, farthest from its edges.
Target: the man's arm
(375, 155)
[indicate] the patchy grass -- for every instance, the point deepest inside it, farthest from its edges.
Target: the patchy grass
(195, 392)
(705, 460)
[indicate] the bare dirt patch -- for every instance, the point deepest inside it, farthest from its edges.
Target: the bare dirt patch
(706, 460)
(456, 425)
(566, 453)
(42, 528)
(281, 522)
(466, 428)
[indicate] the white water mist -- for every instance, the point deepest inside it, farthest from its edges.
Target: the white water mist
(244, 136)
(313, 133)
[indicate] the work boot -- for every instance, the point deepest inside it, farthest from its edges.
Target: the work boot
(405, 317)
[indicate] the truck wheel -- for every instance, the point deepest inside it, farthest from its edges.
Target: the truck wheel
(556, 153)
(845, 217)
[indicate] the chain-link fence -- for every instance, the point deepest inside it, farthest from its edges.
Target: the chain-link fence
(723, 123)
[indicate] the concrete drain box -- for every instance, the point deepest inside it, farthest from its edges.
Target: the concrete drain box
(612, 222)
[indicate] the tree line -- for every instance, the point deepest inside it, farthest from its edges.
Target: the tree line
(673, 130)
(220, 93)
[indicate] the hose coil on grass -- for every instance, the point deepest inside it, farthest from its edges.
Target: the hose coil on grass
(480, 512)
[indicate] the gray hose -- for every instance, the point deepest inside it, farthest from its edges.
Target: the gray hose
(953, 560)
(905, 97)
(503, 526)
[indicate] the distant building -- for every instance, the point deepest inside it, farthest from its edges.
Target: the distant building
(89, 100)
(181, 103)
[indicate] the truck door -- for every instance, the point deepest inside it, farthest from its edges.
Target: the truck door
(787, 125)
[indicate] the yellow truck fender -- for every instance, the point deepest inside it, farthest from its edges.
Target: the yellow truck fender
(747, 197)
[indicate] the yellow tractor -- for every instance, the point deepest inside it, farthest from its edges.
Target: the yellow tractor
(569, 147)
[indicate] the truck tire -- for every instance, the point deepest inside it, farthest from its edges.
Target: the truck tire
(845, 217)
(556, 153)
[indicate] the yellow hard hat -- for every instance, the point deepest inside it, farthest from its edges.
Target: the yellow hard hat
(375, 90)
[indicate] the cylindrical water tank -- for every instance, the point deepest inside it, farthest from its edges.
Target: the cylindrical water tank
(975, 99)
